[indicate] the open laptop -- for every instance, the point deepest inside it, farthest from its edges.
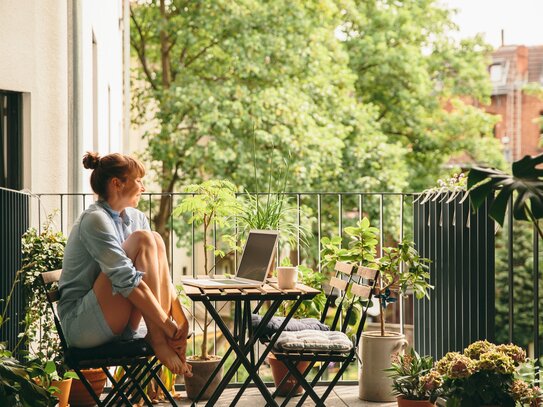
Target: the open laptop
(253, 268)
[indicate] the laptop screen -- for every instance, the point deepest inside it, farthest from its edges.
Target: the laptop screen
(257, 255)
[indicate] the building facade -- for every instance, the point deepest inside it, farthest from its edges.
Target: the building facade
(512, 71)
(63, 86)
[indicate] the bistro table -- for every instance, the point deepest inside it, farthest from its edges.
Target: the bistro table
(244, 337)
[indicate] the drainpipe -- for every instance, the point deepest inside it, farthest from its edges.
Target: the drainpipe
(126, 76)
(75, 103)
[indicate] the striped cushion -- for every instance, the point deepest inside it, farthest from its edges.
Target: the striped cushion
(314, 341)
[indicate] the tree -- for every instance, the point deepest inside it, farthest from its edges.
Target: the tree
(212, 71)
(362, 95)
(425, 86)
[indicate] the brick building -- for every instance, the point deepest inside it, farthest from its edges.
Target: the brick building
(521, 128)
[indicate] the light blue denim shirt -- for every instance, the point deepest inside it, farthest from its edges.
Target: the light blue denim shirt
(94, 245)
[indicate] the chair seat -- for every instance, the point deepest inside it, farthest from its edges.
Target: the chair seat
(313, 341)
(108, 352)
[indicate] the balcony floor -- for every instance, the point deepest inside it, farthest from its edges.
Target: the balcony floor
(342, 396)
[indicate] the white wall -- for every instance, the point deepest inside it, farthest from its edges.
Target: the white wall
(33, 59)
(35, 47)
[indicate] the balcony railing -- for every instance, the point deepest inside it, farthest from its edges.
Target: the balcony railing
(447, 232)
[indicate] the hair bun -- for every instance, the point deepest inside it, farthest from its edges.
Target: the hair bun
(91, 160)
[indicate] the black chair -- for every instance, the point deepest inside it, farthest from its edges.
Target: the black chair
(135, 356)
(343, 283)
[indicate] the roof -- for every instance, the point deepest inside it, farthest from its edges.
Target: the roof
(516, 65)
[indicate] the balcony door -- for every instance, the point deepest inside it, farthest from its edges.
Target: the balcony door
(11, 151)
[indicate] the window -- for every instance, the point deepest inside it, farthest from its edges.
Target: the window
(496, 73)
(11, 156)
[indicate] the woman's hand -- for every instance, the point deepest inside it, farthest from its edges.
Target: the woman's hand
(179, 344)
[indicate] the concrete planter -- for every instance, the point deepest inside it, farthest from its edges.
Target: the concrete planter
(201, 371)
(374, 383)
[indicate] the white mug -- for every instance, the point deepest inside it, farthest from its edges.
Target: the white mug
(287, 277)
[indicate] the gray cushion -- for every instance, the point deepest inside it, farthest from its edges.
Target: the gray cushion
(293, 325)
(314, 341)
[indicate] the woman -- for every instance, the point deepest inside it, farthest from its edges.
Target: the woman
(115, 269)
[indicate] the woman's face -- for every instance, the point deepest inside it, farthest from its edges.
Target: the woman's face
(131, 191)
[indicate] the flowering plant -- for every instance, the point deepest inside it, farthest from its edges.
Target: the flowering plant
(485, 374)
(411, 377)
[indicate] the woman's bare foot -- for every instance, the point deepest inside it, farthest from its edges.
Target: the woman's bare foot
(167, 356)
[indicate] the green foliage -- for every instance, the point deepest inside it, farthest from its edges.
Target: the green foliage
(212, 202)
(308, 308)
(406, 372)
(42, 252)
(17, 383)
(417, 77)
(361, 249)
(524, 181)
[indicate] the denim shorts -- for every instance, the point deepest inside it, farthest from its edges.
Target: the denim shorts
(85, 325)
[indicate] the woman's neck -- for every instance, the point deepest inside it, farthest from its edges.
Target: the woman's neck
(115, 204)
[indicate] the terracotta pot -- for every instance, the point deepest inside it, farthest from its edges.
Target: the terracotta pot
(64, 391)
(280, 370)
(201, 371)
(403, 402)
(79, 395)
(375, 384)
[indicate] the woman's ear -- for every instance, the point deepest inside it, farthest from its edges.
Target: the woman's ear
(116, 183)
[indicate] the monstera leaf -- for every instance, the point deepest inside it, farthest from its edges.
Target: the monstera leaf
(525, 181)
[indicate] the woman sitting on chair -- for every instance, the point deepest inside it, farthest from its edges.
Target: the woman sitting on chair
(115, 269)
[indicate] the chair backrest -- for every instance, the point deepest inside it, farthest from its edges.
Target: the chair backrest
(338, 284)
(364, 289)
(49, 280)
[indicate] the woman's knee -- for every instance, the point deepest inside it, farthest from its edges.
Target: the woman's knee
(161, 247)
(138, 241)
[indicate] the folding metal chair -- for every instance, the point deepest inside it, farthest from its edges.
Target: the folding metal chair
(135, 356)
(363, 288)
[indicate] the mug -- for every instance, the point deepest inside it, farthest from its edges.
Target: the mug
(287, 277)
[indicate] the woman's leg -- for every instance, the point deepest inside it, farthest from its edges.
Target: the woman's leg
(168, 294)
(141, 248)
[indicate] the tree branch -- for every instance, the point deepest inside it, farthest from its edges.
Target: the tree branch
(140, 50)
(202, 51)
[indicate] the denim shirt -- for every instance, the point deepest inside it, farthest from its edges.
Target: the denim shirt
(95, 245)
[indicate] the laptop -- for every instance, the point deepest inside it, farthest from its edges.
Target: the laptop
(253, 268)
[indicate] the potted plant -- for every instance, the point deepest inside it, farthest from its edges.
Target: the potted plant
(43, 251)
(272, 210)
(308, 309)
(485, 374)
(211, 203)
(412, 384)
(20, 383)
(377, 345)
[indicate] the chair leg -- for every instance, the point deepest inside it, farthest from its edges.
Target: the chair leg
(301, 379)
(291, 392)
(119, 389)
(314, 381)
(337, 376)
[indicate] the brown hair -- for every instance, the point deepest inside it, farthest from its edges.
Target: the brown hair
(110, 166)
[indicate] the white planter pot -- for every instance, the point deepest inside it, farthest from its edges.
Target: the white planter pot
(376, 351)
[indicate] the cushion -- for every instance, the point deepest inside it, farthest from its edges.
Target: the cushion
(314, 341)
(293, 325)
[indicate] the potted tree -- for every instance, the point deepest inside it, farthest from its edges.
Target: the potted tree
(210, 203)
(377, 346)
